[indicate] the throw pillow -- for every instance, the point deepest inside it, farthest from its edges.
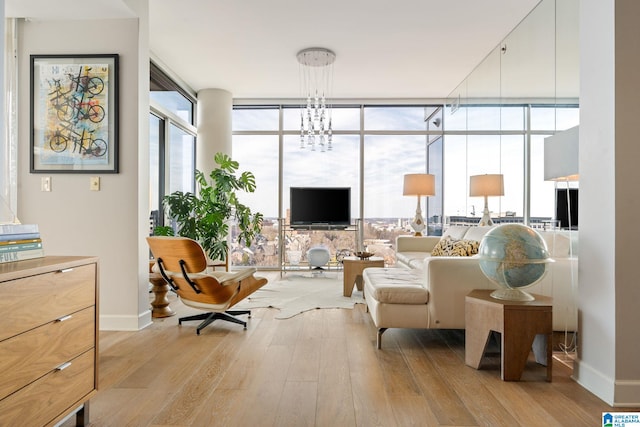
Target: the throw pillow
(448, 246)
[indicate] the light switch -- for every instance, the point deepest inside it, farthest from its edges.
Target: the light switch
(94, 183)
(45, 183)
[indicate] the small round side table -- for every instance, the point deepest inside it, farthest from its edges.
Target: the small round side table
(353, 267)
(160, 304)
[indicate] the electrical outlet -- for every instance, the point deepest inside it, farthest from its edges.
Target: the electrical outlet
(45, 183)
(94, 183)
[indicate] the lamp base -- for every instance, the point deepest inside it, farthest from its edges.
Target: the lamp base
(418, 222)
(418, 225)
(485, 220)
(486, 216)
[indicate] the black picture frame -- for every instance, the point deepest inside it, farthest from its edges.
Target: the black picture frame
(74, 113)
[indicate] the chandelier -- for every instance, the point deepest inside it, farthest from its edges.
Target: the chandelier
(316, 79)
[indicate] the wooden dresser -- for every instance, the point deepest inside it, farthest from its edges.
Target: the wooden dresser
(48, 339)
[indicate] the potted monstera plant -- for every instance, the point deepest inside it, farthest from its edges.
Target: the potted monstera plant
(206, 215)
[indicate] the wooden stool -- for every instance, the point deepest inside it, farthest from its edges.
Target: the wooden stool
(518, 322)
(353, 268)
(160, 304)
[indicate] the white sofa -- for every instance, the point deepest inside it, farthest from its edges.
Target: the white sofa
(429, 291)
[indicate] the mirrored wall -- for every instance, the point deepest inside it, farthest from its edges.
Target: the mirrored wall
(526, 89)
(537, 63)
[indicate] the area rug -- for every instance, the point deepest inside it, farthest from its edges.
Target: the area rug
(296, 293)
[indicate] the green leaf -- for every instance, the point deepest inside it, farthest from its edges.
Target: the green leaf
(248, 181)
(225, 162)
(163, 231)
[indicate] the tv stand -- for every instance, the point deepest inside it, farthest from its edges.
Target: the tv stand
(319, 226)
(288, 233)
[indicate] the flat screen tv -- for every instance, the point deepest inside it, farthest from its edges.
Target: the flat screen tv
(320, 207)
(567, 201)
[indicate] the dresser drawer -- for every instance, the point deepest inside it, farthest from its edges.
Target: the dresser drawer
(28, 356)
(34, 300)
(56, 393)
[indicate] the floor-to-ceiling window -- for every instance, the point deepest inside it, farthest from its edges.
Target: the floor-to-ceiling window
(172, 136)
(303, 167)
(395, 143)
(256, 149)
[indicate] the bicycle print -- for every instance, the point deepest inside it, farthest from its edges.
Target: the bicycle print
(73, 126)
(85, 143)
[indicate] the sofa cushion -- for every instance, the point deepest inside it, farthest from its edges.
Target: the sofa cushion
(456, 231)
(477, 233)
(395, 286)
(418, 262)
(455, 247)
(412, 259)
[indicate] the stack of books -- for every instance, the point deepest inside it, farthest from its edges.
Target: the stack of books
(19, 242)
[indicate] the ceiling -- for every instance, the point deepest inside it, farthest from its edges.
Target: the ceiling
(384, 49)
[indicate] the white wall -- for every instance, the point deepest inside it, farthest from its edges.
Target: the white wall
(609, 338)
(109, 223)
(627, 202)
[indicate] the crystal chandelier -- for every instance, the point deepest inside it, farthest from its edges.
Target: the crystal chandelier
(316, 79)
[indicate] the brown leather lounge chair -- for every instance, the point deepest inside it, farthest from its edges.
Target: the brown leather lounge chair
(183, 264)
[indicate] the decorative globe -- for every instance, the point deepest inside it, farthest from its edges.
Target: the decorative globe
(513, 256)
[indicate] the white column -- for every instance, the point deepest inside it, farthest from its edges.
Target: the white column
(609, 295)
(214, 126)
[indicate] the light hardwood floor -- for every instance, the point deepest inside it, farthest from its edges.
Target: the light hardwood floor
(320, 368)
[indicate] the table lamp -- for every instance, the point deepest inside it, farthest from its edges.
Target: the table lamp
(561, 164)
(419, 184)
(561, 156)
(486, 185)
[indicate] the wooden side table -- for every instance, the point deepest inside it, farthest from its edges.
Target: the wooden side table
(160, 304)
(353, 267)
(518, 323)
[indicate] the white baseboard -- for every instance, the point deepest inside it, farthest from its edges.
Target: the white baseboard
(594, 381)
(616, 393)
(125, 323)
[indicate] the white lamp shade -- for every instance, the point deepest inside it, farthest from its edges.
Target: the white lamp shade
(561, 156)
(486, 185)
(419, 184)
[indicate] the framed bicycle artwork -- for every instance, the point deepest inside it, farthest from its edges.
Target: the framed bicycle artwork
(74, 113)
